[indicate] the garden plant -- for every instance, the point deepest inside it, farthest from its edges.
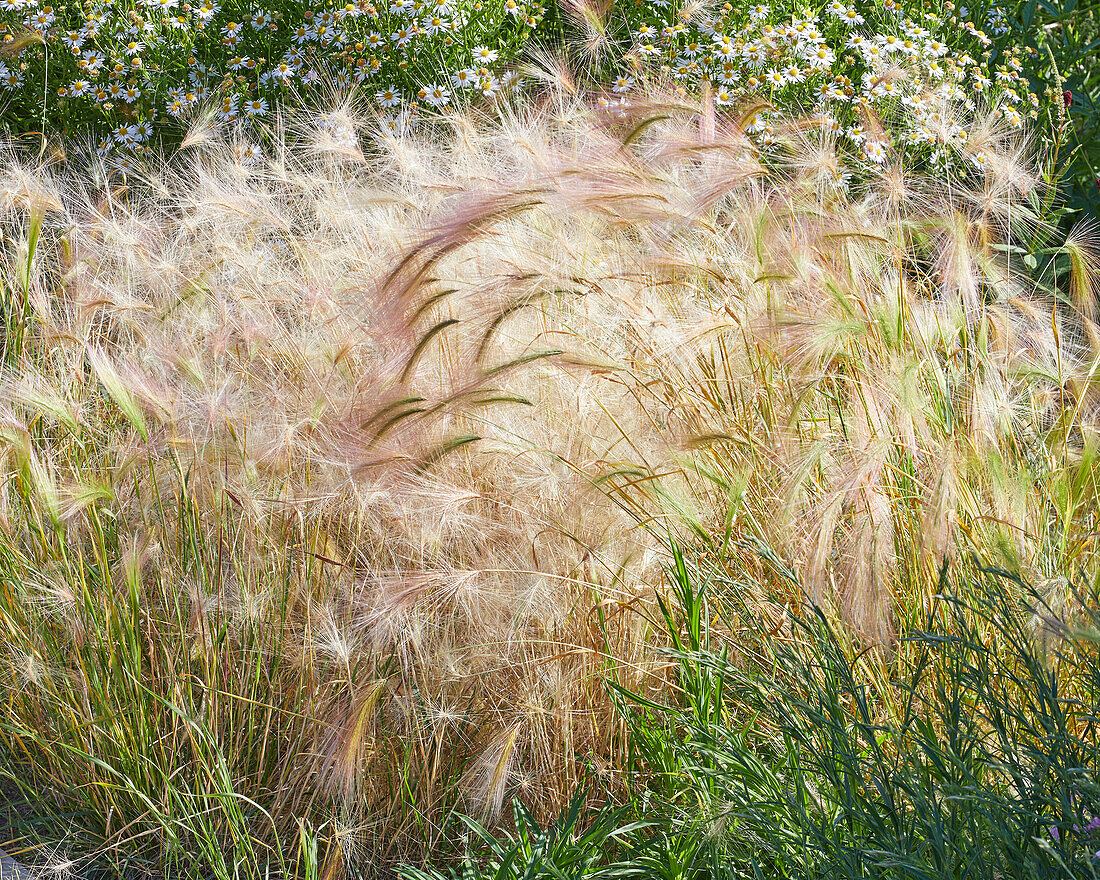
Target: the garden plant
(575, 440)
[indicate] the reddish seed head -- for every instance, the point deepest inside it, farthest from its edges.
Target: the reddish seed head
(1067, 96)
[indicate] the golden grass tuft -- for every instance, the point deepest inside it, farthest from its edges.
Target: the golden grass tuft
(373, 451)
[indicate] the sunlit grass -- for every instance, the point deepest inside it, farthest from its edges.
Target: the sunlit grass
(336, 486)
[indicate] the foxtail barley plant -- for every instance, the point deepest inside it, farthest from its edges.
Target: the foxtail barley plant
(336, 484)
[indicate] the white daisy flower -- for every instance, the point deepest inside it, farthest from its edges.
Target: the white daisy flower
(820, 57)
(488, 86)
(434, 25)
(464, 79)
(438, 96)
(875, 151)
(388, 97)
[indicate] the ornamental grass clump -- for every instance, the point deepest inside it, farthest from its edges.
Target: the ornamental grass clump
(335, 483)
(976, 758)
(299, 522)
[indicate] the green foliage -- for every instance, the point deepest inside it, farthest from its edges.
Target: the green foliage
(143, 753)
(883, 80)
(978, 758)
(980, 761)
(154, 745)
(133, 72)
(15, 295)
(138, 69)
(1063, 36)
(567, 848)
